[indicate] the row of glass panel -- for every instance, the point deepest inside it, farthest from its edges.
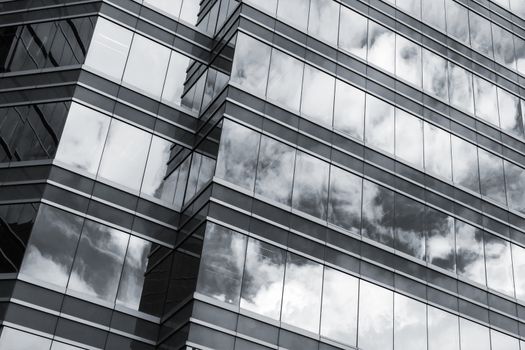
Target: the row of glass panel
(129, 156)
(335, 104)
(14, 339)
(295, 179)
(397, 55)
(269, 281)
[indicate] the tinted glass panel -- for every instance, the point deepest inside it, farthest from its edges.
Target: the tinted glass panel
(349, 110)
(353, 32)
(499, 264)
(317, 100)
(381, 46)
(284, 84)
(376, 316)
(378, 213)
(469, 251)
(379, 124)
(344, 206)
(410, 320)
(409, 226)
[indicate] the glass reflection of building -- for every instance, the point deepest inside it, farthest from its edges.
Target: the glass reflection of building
(277, 174)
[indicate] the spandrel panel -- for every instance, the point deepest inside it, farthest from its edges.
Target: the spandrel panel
(376, 317)
(485, 97)
(285, 79)
(410, 320)
(379, 124)
(175, 78)
(515, 183)
(323, 20)
(83, 138)
(294, 12)
(433, 13)
(44, 259)
(460, 88)
(409, 138)
(510, 113)
(109, 48)
(222, 262)
(353, 32)
(125, 153)
(437, 151)
(130, 291)
(443, 330)
(435, 81)
(339, 308)
(147, 53)
(317, 101)
(502, 341)
(381, 47)
(441, 246)
(469, 252)
(344, 205)
(310, 189)
(302, 293)
(157, 182)
(518, 262)
(251, 64)
(465, 164)
(262, 283)
(275, 171)
(491, 176)
(378, 213)
(349, 110)
(409, 233)
(98, 261)
(498, 264)
(457, 23)
(480, 34)
(473, 335)
(408, 61)
(237, 159)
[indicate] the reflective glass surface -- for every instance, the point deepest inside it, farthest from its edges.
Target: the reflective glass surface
(443, 330)
(441, 245)
(317, 100)
(503, 47)
(502, 341)
(157, 182)
(518, 261)
(412, 7)
(510, 112)
(499, 264)
(379, 124)
(409, 138)
(251, 64)
(285, 79)
(171, 7)
(376, 316)
(175, 78)
(460, 87)
(14, 339)
(381, 47)
(408, 60)
(469, 251)
(349, 109)
(457, 24)
(323, 20)
(353, 32)
(294, 12)
(484, 97)
(437, 151)
(473, 335)
(480, 34)
(344, 205)
(433, 13)
(465, 164)
(409, 227)
(491, 176)
(435, 80)
(515, 183)
(378, 213)
(410, 319)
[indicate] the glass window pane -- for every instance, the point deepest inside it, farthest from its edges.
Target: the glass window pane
(502, 341)
(98, 261)
(302, 293)
(125, 153)
(189, 11)
(344, 206)
(109, 48)
(378, 213)
(409, 138)
(518, 261)
(156, 181)
(339, 310)
(437, 151)
(14, 339)
(409, 226)
(460, 88)
(251, 64)
(499, 264)
(503, 47)
(510, 113)
(469, 252)
(480, 34)
(284, 82)
(491, 176)
(381, 46)
(433, 12)
(440, 240)
(171, 7)
(262, 283)
(61, 346)
(443, 330)
(44, 259)
(379, 124)
(519, 45)
(515, 183)
(412, 7)
(353, 32)
(317, 101)
(484, 98)
(147, 53)
(293, 12)
(349, 110)
(237, 157)
(376, 317)
(132, 281)
(408, 60)
(323, 20)
(175, 78)
(222, 262)
(275, 171)
(310, 188)
(435, 80)
(518, 7)
(83, 138)
(410, 323)
(473, 335)
(457, 25)
(267, 5)
(465, 164)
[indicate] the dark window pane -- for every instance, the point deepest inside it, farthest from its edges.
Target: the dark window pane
(409, 227)
(378, 213)
(344, 206)
(470, 255)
